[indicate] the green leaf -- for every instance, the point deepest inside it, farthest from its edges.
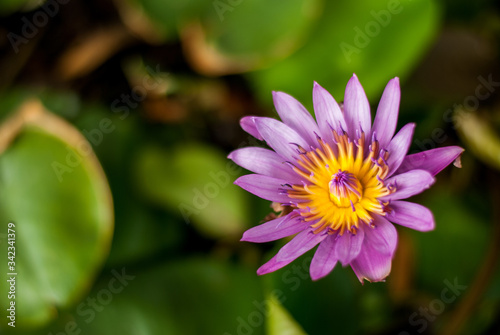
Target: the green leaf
(63, 220)
(331, 298)
(188, 297)
(227, 34)
(354, 37)
(9, 6)
(456, 247)
(258, 31)
(479, 136)
(280, 322)
(140, 234)
(167, 16)
(195, 181)
(63, 103)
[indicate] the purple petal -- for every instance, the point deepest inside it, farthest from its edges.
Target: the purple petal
(248, 125)
(383, 237)
(280, 137)
(398, 147)
(348, 246)
(374, 260)
(303, 242)
(356, 108)
(268, 188)
(386, 118)
(296, 116)
(408, 184)
(263, 161)
(371, 264)
(275, 229)
(433, 160)
(411, 215)
(324, 259)
(328, 113)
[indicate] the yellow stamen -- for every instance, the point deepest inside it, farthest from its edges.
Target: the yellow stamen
(341, 187)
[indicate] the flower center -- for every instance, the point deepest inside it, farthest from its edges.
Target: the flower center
(341, 185)
(345, 189)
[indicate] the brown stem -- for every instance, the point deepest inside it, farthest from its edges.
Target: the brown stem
(481, 282)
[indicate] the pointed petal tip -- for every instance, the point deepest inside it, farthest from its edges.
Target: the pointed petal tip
(318, 91)
(247, 123)
(247, 118)
(458, 151)
(260, 272)
(431, 182)
(433, 160)
(244, 237)
(315, 277)
(458, 162)
(353, 80)
(238, 182)
(280, 95)
(356, 109)
(395, 80)
(267, 268)
(280, 98)
(362, 280)
(317, 274)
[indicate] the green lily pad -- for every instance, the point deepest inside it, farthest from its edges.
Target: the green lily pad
(167, 16)
(377, 40)
(233, 35)
(56, 195)
(259, 31)
(479, 136)
(188, 297)
(196, 182)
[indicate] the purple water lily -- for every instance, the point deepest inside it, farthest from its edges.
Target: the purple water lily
(341, 180)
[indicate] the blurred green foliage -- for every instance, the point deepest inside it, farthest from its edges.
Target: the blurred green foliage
(56, 227)
(378, 43)
(173, 179)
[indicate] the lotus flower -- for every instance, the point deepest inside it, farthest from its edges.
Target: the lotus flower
(341, 180)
